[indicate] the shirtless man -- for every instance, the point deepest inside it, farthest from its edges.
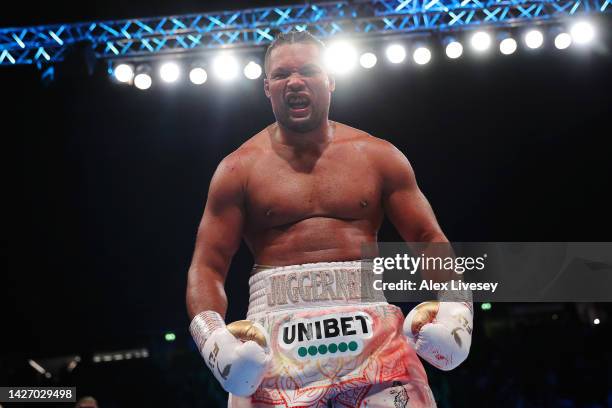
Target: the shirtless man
(305, 193)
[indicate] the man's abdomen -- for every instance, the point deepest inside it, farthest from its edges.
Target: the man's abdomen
(314, 239)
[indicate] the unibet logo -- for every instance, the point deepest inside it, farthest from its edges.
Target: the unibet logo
(326, 336)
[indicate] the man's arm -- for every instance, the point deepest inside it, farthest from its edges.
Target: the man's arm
(238, 363)
(403, 201)
(218, 239)
(407, 208)
(439, 331)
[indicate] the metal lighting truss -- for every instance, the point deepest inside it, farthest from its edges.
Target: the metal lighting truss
(156, 36)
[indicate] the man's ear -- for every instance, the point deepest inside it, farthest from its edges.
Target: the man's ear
(267, 87)
(332, 83)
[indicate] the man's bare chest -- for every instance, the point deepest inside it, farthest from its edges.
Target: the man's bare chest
(280, 192)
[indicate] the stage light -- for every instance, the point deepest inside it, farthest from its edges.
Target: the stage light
(143, 81)
(123, 73)
(421, 55)
(198, 75)
(486, 306)
(368, 60)
(225, 67)
(169, 72)
(341, 57)
(596, 321)
(563, 40)
(507, 46)
(454, 49)
(534, 39)
(582, 32)
(170, 336)
(252, 70)
(481, 41)
(395, 53)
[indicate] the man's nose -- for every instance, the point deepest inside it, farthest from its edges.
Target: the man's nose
(295, 82)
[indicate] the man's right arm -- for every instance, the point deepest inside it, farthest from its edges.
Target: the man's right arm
(239, 365)
(217, 240)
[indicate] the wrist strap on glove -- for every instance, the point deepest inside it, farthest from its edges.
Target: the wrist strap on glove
(203, 325)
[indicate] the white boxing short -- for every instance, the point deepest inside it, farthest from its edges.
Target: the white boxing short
(333, 342)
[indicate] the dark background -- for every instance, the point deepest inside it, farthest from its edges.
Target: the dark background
(104, 185)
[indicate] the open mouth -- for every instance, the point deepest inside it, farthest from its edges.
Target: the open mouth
(298, 102)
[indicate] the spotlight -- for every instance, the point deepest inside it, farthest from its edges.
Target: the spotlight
(198, 75)
(582, 32)
(596, 321)
(454, 49)
(396, 53)
(507, 46)
(563, 40)
(481, 41)
(225, 67)
(143, 81)
(169, 72)
(368, 60)
(534, 39)
(124, 72)
(252, 70)
(421, 55)
(341, 57)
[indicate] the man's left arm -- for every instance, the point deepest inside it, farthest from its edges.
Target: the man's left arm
(440, 331)
(404, 203)
(408, 209)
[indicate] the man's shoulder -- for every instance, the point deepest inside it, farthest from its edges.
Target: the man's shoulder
(364, 141)
(235, 167)
(382, 155)
(251, 149)
(258, 141)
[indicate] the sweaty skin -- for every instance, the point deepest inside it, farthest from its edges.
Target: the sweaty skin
(304, 189)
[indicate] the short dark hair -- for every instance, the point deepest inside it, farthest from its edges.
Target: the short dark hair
(291, 37)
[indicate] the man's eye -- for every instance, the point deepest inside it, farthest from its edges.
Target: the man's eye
(310, 72)
(279, 75)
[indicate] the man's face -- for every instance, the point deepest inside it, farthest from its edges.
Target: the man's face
(298, 86)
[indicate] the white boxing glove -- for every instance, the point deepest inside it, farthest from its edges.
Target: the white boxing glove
(237, 354)
(441, 332)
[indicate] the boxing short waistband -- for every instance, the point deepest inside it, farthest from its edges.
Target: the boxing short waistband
(312, 285)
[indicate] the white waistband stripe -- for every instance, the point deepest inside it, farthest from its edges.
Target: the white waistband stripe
(309, 285)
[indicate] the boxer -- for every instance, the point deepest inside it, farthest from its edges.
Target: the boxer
(305, 193)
